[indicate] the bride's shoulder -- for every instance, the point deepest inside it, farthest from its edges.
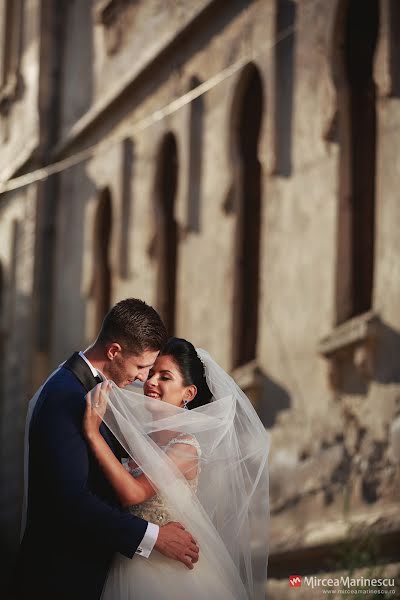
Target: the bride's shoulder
(187, 439)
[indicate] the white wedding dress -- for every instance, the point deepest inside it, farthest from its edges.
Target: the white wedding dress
(225, 507)
(161, 578)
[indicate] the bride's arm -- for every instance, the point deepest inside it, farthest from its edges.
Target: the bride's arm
(129, 490)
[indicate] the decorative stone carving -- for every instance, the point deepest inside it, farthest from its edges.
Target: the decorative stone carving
(110, 14)
(351, 345)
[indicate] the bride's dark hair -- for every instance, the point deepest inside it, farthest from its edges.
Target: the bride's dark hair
(191, 368)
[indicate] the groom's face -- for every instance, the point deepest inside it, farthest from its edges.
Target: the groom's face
(124, 368)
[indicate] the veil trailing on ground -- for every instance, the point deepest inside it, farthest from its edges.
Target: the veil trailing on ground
(228, 516)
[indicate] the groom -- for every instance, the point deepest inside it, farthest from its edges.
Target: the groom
(75, 523)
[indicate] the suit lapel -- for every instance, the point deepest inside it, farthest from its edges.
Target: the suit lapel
(81, 370)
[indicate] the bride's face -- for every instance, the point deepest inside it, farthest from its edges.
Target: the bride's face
(165, 382)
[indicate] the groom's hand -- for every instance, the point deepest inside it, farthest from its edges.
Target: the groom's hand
(175, 542)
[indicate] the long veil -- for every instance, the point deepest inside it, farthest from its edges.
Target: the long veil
(228, 516)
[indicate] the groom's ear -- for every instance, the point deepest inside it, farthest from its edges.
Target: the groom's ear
(112, 350)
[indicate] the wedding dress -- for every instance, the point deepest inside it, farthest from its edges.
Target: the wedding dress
(224, 506)
(160, 578)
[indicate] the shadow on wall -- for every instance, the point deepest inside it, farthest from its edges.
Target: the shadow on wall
(386, 359)
(273, 399)
(285, 79)
(77, 68)
(70, 302)
(394, 43)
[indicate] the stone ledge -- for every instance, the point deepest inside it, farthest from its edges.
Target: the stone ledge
(317, 546)
(358, 329)
(351, 345)
(279, 589)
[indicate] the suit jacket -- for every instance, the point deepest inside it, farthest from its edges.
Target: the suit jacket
(75, 523)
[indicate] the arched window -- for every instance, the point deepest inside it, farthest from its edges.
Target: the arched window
(195, 159)
(11, 18)
(101, 286)
(127, 206)
(284, 82)
(12, 291)
(355, 49)
(167, 242)
(394, 42)
(247, 117)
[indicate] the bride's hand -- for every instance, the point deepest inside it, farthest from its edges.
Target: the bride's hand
(96, 404)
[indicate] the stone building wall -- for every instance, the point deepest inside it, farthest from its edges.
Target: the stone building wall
(21, 94)
(253, 188)
(18, 240)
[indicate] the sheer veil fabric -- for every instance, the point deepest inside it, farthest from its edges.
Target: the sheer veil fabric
(228, 514)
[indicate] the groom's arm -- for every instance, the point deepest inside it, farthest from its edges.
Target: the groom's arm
(58, 437)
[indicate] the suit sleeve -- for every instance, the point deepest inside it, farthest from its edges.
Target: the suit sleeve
(64, 456)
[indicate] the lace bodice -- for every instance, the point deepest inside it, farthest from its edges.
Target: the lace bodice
(155, 509)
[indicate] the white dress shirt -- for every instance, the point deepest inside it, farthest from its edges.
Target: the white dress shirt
(151, 533)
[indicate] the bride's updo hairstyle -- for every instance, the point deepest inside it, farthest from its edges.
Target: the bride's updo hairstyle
(191, 368)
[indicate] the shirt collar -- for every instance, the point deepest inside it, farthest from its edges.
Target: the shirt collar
(95, 372)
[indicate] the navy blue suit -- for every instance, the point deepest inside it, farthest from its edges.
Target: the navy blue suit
(75, 523)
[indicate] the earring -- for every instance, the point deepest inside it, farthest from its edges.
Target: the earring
(185, 403)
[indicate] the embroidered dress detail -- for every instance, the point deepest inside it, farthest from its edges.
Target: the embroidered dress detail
(155, 509)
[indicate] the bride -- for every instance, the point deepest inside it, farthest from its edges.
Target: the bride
(197, 456)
